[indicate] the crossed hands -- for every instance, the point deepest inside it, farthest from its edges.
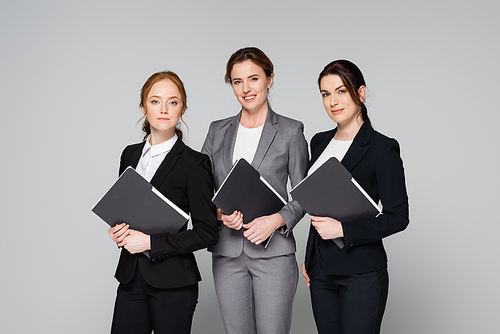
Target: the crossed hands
(258, 230)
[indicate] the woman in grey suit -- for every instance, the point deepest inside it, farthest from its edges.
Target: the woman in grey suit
(255, 285)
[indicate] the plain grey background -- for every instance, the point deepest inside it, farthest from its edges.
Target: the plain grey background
(70, 75)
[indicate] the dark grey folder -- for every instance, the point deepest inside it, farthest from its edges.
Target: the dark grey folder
(245, 190)
(331, 191)
(133, 200)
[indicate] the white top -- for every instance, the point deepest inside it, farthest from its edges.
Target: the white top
(246, 143)
(335, 148)
(152, 157)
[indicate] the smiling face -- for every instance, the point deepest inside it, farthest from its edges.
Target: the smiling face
(338, 103)
(251, 85)
(163, 108)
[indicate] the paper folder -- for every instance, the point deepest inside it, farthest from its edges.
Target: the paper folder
(133, 200)
(245, 190)
(331, 191)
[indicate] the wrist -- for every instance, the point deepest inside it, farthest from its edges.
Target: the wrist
(280, 221)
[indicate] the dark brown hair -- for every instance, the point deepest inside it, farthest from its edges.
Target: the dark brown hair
(254, 54)
(351, 77)
(146, 88)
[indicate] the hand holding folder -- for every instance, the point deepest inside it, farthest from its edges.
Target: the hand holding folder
(245, 190)
(331, 191)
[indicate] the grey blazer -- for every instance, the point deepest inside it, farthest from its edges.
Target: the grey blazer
(282, 152)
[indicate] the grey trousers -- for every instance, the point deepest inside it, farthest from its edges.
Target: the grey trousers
(255, 294)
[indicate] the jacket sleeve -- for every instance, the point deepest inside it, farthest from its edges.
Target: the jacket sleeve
(207, 145)
(390, 184)
(204, 232)
(124, 160)
(298, 156)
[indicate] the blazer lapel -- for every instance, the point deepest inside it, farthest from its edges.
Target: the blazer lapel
(358, 147)
(268, 133)
(229, 141)
(168, 163)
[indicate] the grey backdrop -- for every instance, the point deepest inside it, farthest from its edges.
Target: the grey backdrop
(70, 75)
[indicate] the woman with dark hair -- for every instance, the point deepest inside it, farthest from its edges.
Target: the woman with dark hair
(255, 286)
(349, 285)
(160, 293)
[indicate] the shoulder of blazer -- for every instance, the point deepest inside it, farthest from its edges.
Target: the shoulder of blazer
(185, 153)
(194, 156)
(367, 139)
(131, 149)
(130, 156)
(283, 121)
(373, 137)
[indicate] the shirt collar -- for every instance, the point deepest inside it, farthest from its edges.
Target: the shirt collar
(158, 149)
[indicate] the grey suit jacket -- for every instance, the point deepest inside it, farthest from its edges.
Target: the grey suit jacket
(281, 154)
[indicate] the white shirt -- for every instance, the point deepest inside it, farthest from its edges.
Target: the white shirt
(335, 148)
(152, 157)
(246, 143)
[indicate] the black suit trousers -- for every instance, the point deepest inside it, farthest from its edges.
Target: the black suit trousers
(141, 308)
(349, 304)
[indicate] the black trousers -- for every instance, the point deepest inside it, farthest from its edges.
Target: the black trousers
(141, 308)
(351, 304)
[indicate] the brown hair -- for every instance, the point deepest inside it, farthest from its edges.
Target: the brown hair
(254, 54)
(351, 77)
(146, 88)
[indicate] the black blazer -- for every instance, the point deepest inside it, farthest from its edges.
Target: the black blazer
(184, 177)
(374, 161)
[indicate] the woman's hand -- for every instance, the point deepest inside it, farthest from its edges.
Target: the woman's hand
(118, 232)
(328, 228)
(234, 221)
(305, 275)
(259, 229)
(136, 242)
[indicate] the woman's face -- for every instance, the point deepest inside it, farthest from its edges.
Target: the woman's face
(338, 102)
(163, 107)
(250, 85)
